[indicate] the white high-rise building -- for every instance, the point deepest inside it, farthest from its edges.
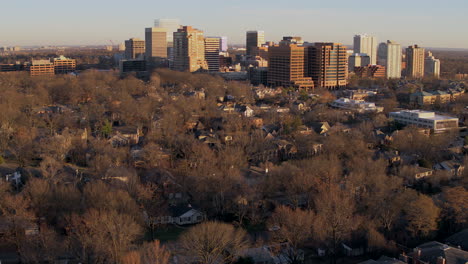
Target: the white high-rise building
(390, 56)
(171, 25)
(366, 44)
(432, 66)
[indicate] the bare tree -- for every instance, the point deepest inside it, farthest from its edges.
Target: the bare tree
(422, 215)
(295, 227)
(213, 242)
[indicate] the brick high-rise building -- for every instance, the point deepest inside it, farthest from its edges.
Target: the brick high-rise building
(370, 71)
(390, 56)
(134, 48)
(327, 64)
(212, 49)
(358, 60)
(64, 65)
(366, 44)
(189, 50)
(155, 43)
(415, 61)
(432, 66)
(287, 66)
(254, 39)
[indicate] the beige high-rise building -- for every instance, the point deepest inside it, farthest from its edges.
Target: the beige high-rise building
(254, 40)
(212, 49)
(432, 66)
(415, 61)
(366, 44)
(328, 65)
(189, 50)
(156, 43)
(390, 55)
(287, 66)
(134, 48)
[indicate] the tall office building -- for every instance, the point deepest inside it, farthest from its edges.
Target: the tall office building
(156, 43)
(432, 66)
(189, 50)
(171, 26)
(134, 48)
(212, 49)
(390, 56)
(254, 40)
(366, 44)
(223, 45)
(358, 60)
(287, 66)
(415, 61)
(327, 64)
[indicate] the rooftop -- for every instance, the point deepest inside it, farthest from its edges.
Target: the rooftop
(423, 114)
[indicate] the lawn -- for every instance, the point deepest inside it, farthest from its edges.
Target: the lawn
(166, 233)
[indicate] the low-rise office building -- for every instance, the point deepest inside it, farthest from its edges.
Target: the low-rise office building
(425, 119)
(359, 106)
(41, 68)
(64, 65)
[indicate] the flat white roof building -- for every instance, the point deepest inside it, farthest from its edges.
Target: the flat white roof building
(360, 106)
(426, 119)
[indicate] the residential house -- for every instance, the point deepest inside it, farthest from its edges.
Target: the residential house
(459, 240)
(416, 172)
(272, 254)
(436, 253)
(383, 260)
(393, 157)
(298, 106)
(199, 94)
(453, 167)
(320, 127)
(245, 110)
(124, 136)
(181, 215)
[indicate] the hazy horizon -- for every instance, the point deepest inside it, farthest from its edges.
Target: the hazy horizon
(50, 22)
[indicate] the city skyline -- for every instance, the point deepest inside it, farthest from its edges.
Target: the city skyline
(405, 22)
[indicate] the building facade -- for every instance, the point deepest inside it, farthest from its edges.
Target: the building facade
(254, 40)
(212, 49)
(415, 61)
(64, 65)
(432, 66)
(390, 56)
(327, 64)
(126, 66)
(287, 66)
(370, 71)
(41, 68)
(189, 50)
(171, 26)
(134, 48)
(223, 44)
(155, 43)
(425, 119)
(366, 44)
(358, 60)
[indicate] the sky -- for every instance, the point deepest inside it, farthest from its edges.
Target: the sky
(429, 23)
